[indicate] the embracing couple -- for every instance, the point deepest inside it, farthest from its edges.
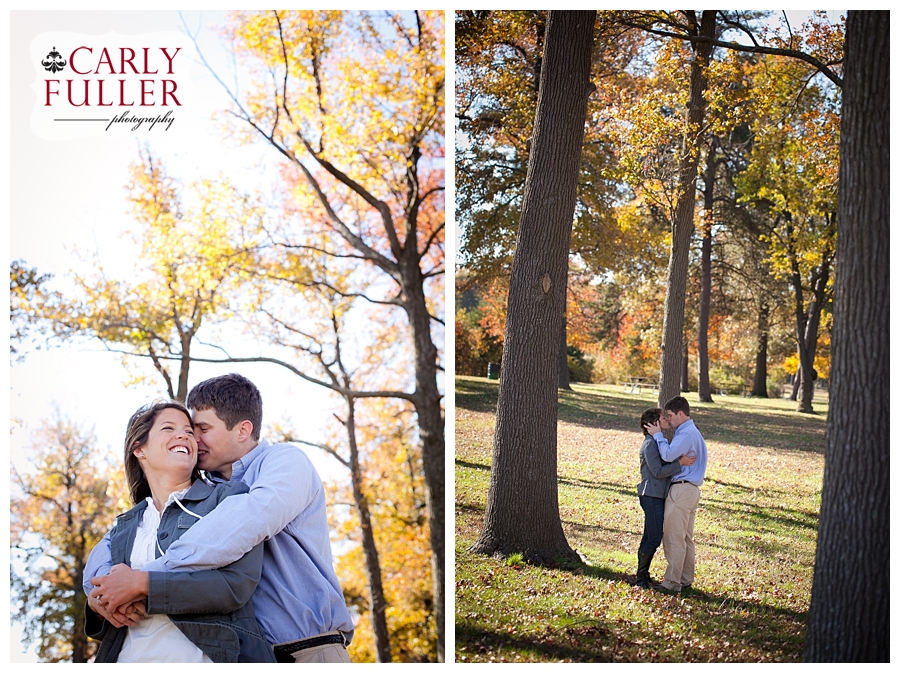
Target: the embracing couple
(671, 476)
(232, 564)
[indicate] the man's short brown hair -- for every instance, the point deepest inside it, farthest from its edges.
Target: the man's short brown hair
(677, 404)
(232, 397)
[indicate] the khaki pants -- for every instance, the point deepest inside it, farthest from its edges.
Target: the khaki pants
(678, 534)
(332, 653)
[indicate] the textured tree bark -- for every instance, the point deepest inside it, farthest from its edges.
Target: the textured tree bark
(522, 513)
(431, 424)
(849, 616)
(81, 647)
(683, 225)
(703, 390)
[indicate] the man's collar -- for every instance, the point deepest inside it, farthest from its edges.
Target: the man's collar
(685, 424)
(239, 467)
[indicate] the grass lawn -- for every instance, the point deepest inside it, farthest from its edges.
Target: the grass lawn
(755, 535)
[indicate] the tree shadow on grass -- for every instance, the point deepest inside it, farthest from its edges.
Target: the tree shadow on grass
(771, 428)
(775, 429)
(572, 642)
(473, 466)
(475, 395)
(788, 517)
(719, 627)
(608, 486)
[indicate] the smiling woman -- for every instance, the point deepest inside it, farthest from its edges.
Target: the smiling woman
(155, 432)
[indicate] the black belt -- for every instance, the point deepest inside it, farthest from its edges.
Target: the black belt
(283, 652)
(684, 481)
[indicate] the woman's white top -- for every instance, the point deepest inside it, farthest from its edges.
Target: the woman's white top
(156, 638)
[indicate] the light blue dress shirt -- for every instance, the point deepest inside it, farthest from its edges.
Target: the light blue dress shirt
(298, 595)
(687, 440)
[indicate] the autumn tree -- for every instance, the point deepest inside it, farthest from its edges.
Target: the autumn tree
(355, 372)
(187, 274)
(27, 291)
(704, 33)
(499, 57)
(636, 132)
(849, 616)
(481, 322)
(354, 102)
(392, 479)
(792, 174)
(476, 346)
(58, 512)
(332, 363)
(703, 26)
(758, 301)
(310, 325)
(522, 513)
(658, 149)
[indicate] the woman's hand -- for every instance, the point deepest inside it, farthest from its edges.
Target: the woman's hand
(120, 588)
(687, 460)
(127, 615)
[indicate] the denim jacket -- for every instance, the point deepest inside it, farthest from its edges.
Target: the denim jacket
(211, 607)
(656, 474)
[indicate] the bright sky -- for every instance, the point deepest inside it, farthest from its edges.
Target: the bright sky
(71, 193)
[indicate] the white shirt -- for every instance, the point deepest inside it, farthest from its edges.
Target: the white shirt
(156, 638)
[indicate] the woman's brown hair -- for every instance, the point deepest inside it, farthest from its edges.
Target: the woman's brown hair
(649, 417)
(136, 436)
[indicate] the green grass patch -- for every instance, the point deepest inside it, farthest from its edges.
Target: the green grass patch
(755, 535)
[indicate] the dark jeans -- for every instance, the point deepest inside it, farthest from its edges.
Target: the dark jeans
(654, 509)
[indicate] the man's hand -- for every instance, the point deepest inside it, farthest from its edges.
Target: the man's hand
(120, 588)
(687, 460)
(652, 428)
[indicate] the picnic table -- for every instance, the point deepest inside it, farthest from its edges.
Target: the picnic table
(635, 384)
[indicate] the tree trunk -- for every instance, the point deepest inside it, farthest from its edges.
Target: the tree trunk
(81, 647)
(703, 390)
(186, 336)
(760, 376)
(684, 368)
(431, 425)
(808, 336)
(800, 316)
(377, 601)
(522, 513)
(849, 616)
(683, 224)
(820, 297)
